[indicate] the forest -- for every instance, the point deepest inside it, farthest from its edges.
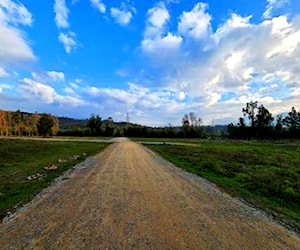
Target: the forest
(25, 124)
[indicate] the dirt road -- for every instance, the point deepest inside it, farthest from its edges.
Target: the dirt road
(129, 198)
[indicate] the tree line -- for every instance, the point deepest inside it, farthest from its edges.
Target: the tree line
(258, 123)
(95, 126)
(24, 124)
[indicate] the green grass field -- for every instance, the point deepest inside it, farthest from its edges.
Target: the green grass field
(267, 174)
(21, 160)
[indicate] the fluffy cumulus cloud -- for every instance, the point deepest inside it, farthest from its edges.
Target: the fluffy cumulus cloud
(235, 63)
(122, 15)
(158, 17)
(14, 47)
(156, 39)
(195, 23)
(98, 5)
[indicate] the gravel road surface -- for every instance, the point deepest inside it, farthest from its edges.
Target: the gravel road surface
(127, 197)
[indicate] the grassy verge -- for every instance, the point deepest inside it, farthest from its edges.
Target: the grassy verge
(265, 173)
(24, 163)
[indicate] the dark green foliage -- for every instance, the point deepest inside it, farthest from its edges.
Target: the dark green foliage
(266, 172)
(45, 125)
(191, 126)
(22, 158)
(292, 121)
(109, 128)
(262, 126)
(264, 118)
(249, 111)
(94, 123)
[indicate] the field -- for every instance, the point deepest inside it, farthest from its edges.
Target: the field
(266, 174)
(28, 166)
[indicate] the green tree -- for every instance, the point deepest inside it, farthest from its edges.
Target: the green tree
(191, 125)
(292, 121)
(249, 111)
(94, 124)
(45, 125)
(263, 117)
(109, 130)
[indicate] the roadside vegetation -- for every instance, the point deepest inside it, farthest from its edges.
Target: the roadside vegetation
(28, 166)
(267, 174)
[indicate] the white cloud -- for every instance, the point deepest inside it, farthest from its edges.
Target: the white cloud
(47, 94)
(273, 5)
(287, 37)
(71, 101)
(196, 23)
(44, 92)
(68, 40)
(181, 96)
(234, 24)
(234, 60)
(56, 76)
(156, 41)
(4, 86)
(3, 73)
(61, 14)
(98, 5)
(149, 106)
(238, 62)
(14, 13)
(123, 15)
(14, 47)
(116, 94)
(158, 17)
(74, 85)
(161, 45)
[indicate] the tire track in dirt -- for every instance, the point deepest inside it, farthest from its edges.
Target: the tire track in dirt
(132, 199)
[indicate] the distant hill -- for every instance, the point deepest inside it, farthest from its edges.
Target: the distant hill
(71, 123)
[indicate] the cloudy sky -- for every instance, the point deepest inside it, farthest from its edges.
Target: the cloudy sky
(156, 60)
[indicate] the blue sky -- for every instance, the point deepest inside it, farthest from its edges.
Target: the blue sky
(156, 60)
